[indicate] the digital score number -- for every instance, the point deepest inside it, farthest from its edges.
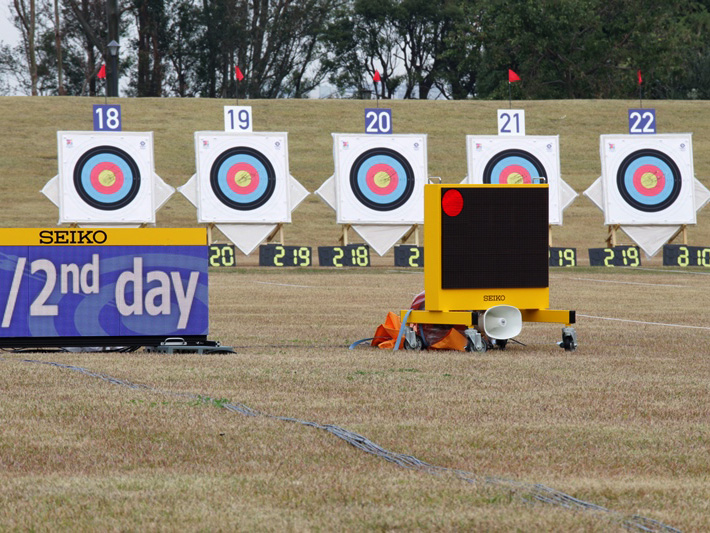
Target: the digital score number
(352, 255)
(622, 256)
(222, 255)
(563, 257)
(642, 121)
(107, 117)
(277, 255)
(378, 120)
(237, 118)
(511, 122)
(409, 256)
(681, 255)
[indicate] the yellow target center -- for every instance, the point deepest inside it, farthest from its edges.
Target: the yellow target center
(649, 180)
(515, 178)
(107, 178)
(242, 178)
(382, 179)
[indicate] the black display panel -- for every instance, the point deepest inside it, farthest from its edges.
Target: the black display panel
(682, 255)
(617, 256)
(278, 255)
(222, 255)
(563, 257)
(351, 255)
(498, 239)
(408, 256)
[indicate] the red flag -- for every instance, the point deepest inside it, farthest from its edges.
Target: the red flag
(376, 77)
(512, 76)
(102, 72)
(238, 74)
(640, 78)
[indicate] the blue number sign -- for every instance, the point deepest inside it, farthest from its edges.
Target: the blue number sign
(642, 121)
(107, 117)
(378, 120)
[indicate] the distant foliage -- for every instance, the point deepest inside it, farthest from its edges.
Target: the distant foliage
(422, 48)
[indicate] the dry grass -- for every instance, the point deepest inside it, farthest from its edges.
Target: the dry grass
(623, 422)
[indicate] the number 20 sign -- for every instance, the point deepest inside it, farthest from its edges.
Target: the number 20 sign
(642, 121)
(511, 122)
(378, 120)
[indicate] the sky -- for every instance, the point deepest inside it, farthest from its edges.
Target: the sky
(8, 33)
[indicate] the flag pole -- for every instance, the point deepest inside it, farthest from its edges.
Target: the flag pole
(640, 80)
(510, 96)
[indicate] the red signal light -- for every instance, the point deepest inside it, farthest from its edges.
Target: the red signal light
(452, 202)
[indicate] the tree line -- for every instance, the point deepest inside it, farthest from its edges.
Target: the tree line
(421, 48)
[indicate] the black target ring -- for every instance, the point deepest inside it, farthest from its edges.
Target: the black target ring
(384, 200)
(625, 180)
(114, 156)
(516, 157)
(243, 155)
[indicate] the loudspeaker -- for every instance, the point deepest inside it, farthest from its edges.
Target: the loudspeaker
(502, 322)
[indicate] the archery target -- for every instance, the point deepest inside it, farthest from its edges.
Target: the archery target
(242, 177)
(648, 180)
(106, 177)
(380, 179)
(516, 161)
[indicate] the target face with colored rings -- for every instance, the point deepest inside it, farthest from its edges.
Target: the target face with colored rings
(243, 178)
(382, 179)
(107, 178)
(649, 180)
(514, 167)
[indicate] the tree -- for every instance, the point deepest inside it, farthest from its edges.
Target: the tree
(26, 22)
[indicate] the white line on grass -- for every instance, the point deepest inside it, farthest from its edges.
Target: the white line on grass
(284, 284)
(625, 282)
(676, 271)
(645, 323)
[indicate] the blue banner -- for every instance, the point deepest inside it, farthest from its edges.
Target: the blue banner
(60, 291)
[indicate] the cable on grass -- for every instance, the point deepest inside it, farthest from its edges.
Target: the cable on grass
(532, 492)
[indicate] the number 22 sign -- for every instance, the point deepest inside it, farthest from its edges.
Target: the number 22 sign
(642, 121)
(511, 122)
(378, 120)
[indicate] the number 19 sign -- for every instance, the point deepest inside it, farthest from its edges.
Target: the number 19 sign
(237, 118)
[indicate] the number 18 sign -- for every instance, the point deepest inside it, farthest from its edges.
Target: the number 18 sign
(511, 122)
(107, 117)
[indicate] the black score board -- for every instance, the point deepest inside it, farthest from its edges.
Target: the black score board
(682, 255)
(617, 256)
(351, 255)
(278, 255)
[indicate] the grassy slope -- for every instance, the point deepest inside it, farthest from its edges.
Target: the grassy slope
(29, 125)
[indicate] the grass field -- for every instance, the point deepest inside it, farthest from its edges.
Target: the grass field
(622, 422)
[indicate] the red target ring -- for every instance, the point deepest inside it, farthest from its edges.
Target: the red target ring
(515, 175)
(106, 177)
(382, 179)
(649, 180)
(243, 178)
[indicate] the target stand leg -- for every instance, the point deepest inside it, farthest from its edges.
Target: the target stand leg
(682, 232)
(279, 229)
(611, 237)
(414, 230)
(344, 237)
(209, 234)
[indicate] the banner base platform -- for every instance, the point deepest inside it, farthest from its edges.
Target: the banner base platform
(106, 342)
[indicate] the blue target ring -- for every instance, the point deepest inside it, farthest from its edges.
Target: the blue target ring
(106, 178)
(649, 180)
(382, 179)
(513, 166)
(243, 178)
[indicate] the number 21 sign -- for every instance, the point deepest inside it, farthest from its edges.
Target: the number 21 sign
(511, 122)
